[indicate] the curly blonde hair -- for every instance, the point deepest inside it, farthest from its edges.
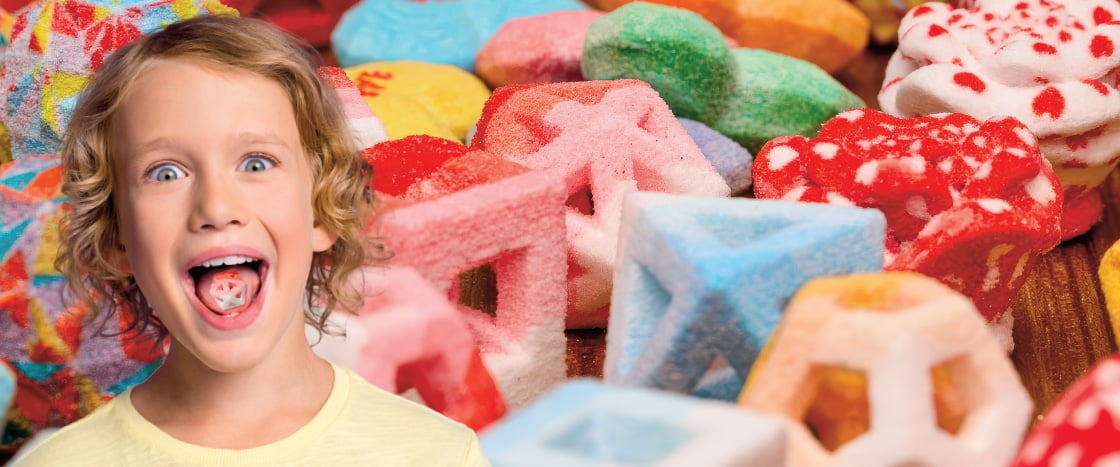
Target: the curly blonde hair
(341, 198)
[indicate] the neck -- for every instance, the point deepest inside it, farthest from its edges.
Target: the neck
(197, 404)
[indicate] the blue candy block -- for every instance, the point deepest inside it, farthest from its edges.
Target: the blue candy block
(434, 32)
(7, 391)
(731, 160)
(705, 280)
(588, 423)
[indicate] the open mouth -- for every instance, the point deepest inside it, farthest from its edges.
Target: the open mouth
(228, 285)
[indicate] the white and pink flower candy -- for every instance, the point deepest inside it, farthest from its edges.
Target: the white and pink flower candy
(1051, 64)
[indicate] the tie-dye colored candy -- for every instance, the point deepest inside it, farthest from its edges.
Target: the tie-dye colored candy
(64, 370)
(55, 47)
(1050, 64)
(953, 189)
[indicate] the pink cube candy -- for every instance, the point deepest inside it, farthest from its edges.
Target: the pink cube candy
(604, 139)
(536, 49)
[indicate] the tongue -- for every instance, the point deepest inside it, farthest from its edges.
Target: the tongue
(228, 289)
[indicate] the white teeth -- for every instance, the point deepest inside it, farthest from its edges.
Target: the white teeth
(227, 261)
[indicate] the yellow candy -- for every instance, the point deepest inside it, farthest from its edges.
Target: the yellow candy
(1109, 273)
(5, 145)
(417, 98)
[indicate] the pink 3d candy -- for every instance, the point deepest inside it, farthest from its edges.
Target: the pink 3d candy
(603, 139)
(367, 129)
(1048, 63)
(536, 49)
(888, 370)
(452, 210)
(970, 203)
(408, 335)
(1082, 427)
(229, 289)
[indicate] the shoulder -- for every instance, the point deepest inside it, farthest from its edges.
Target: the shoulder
(408, 429)
(76, 442)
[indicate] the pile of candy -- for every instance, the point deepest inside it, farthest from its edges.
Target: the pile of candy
(545, 165)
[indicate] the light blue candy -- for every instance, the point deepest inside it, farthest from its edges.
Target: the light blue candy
(7, 391)
(430, 31)
(700, 280)
(587, 423)
(732, 161)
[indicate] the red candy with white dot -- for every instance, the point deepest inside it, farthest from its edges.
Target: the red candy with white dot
(970, 203)
(1051, 64)
(1082, 429)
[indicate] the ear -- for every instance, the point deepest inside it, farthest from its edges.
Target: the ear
(321, 239)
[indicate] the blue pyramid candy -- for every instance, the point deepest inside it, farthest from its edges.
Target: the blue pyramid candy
(587, 423)
(434, 32)
(701, 283)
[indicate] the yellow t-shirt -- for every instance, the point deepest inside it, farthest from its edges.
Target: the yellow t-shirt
(359, 425)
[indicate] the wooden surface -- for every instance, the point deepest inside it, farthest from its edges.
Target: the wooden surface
(1061, 324)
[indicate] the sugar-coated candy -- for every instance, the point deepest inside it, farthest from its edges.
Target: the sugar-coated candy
(64, 369)
(701, 283)
(365, 126)
(446, 32)
(416, 98)
(57, 44)
(587, 423)
(7, 389)
(408, 335)
(450, 210)
(970, 203)
(732, 161)
(312, 20)
(1049, 64)
(750, 95)
(827, 33)
(1109, 275)
(889, 369)
(603, 139)
(1082, 426)
(536, 49)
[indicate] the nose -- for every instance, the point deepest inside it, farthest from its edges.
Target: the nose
(218, 204)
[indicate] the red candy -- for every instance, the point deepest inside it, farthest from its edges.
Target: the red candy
(1083, 426)
(422, 167)
(970, 203)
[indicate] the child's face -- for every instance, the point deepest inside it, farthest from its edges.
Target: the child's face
(209, 165)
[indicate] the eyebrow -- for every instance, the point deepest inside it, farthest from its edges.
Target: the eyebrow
(243, 138)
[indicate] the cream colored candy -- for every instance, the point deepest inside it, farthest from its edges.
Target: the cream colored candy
(889, 369)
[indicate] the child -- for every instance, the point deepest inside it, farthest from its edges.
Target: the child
(209, 170)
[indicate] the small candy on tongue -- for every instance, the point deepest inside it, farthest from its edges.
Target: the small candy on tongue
(225, 289)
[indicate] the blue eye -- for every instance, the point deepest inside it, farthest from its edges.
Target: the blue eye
(166, 173)
(256, 164)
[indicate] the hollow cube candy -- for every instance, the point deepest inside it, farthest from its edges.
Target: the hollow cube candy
(972, 204)
(1049, 64)
(889, 369)
(453, 210)
(587, 423)
(1082, 427)
(603, 139)
(408, 335)
(701, 283)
